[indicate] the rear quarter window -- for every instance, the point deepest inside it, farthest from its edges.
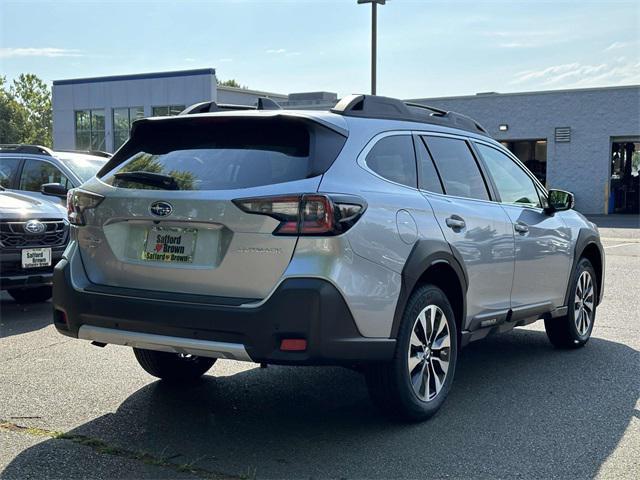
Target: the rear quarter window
(393, 158)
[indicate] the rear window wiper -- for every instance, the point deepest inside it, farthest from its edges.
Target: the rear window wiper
(165, 182)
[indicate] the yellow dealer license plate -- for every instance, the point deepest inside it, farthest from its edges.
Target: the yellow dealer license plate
(169, 244)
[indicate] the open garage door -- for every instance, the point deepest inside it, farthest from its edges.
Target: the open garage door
(533, 153)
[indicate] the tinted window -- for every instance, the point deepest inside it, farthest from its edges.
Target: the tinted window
(427, 174)
(225, 152)
(8, 170)
(36, 173)
(513, 184)
(458, 169)
(393, 158)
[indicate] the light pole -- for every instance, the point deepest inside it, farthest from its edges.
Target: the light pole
(374, 35)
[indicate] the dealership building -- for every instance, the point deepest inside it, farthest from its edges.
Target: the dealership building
(96, 113)
(583, 140)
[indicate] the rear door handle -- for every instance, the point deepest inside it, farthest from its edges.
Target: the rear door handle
(521, 227)
(455, 222)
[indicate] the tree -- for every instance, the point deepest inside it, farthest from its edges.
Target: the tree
(232, 83)
(146, 162)
(12, 116)
(25, 111)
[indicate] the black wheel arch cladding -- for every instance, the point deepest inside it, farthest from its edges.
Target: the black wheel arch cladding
(424, 255)
(587, 244)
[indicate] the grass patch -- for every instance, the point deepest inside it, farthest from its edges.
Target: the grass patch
(104, 448)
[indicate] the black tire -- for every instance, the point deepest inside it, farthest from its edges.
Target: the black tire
(173, 367)
(30, 295)
(566, 332)
(390, 385)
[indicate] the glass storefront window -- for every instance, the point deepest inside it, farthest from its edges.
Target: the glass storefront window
(167, 110)
(122, 120)
(90, 130)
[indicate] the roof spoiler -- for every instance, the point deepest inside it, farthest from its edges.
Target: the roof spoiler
(373, 106)
(263, 103)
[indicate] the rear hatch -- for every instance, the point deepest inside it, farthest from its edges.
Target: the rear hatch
(168, 221)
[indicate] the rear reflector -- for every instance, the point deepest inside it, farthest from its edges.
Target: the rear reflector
(293, 345)
(60, 318)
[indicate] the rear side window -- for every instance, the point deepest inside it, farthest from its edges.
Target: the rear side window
(8, 171)
(394, 158)
(458, 169)
(219, 153)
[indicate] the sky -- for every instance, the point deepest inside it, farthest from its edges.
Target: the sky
(426, 48)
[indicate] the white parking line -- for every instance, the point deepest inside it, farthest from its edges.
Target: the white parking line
(620, 245)
(620, 239)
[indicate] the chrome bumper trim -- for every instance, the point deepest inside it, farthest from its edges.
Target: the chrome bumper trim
(163, 343)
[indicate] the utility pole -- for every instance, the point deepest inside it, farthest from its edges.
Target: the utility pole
(374, 39)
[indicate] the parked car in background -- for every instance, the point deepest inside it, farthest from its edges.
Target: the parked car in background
(381, 234)
(33, 234)
(27, 168)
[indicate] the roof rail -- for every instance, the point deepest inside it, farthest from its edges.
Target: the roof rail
(373, 106)
(95, 153)
(263, 103)
(25, 148)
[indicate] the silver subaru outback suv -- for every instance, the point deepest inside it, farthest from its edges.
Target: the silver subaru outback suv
(381, 234)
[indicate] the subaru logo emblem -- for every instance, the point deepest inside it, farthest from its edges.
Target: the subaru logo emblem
(161, 209)
(35, 227)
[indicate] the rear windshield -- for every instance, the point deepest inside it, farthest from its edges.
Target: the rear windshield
(221, 153)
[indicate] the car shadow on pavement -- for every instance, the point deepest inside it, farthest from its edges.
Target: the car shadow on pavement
(518, 407)
(16, 319)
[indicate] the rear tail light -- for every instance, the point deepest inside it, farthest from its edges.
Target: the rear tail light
(79, 201)
(307, 214)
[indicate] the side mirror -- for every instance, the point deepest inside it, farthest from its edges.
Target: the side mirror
(54, 189)
(560, 200)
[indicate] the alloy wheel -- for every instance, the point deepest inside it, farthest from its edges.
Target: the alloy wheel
(429, 352)
(584, 303)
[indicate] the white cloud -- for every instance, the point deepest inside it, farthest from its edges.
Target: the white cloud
(527, 38)
(50, 52)
(283, 51)
(190, 59)
(516, 45)
(615, 46)
(572, 75)
(519, 33)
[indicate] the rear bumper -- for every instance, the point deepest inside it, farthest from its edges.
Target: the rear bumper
(304, 308)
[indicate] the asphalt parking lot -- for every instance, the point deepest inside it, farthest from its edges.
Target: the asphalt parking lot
(518, 408)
